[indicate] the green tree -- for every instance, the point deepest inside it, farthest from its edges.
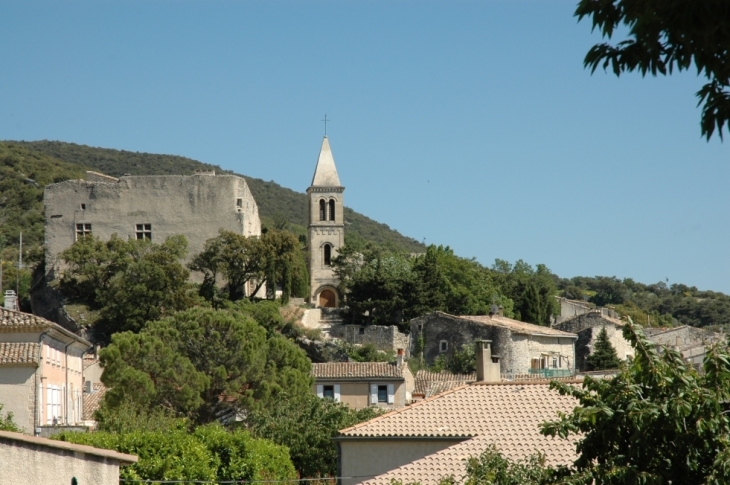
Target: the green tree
(491, 468)
(6, 421)
(130, 282)
(207, 454)
(658, 421)
(273, 259)
(663, 36)
(203, 364)
(604, 355)
(306, 424)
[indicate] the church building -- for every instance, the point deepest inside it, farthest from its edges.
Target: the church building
(326, 229)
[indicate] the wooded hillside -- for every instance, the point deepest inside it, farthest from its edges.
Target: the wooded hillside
(276, 204)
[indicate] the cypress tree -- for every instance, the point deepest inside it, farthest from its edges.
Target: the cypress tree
(604, 355)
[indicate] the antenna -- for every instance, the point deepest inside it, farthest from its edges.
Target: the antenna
(20, 266)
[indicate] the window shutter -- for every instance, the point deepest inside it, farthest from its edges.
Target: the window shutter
(320, 390)
(337, 392)
(391, 394)
(373, 394)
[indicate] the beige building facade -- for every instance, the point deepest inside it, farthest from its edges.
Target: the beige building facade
(33, 460)
(41, 371)
(364, 384)
(148, 207)
(326, 232)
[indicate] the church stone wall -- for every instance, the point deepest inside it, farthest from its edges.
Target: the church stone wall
(195, 206)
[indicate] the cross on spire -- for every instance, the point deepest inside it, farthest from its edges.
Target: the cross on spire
(325, 124)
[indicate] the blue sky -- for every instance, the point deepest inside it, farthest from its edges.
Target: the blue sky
(464, 123)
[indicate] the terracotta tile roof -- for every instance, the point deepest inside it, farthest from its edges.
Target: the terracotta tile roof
(19, 353)
(431, 383)
(507, 415)
(335, 370)
(92, 401)
(516, 326)
(14, 318)
(452, 461)
(471, 410)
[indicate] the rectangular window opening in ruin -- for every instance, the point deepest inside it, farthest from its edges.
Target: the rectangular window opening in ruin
(239, 203)
(83, 207)
(83, 230)
(144, 231)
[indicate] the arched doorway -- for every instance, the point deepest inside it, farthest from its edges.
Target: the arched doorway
(327, 299)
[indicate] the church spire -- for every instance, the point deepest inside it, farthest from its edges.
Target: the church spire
(325, 175)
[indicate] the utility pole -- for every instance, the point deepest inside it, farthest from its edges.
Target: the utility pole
(17, 275)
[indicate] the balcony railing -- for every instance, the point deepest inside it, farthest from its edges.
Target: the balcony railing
(548, 373)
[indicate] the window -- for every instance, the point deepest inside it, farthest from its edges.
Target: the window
(83, 207)
(328, 391)
(383, 394)
(327, 254)
(362, 330)
(144, 231)
(322, 210)
(443, 346)
(239, 203)
(332, 210)
(555, 363)
(83, 230)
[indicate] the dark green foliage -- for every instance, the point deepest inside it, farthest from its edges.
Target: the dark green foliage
(130, 282)
(275, 203)
(532, 290)
(368, 353)
(660, 303)
(274, 259)
(306, 424)
(491, 468)
(23, 176)
(604, 355)
(659, 420)
(208, 453)
(387, 287)
(6, 421)
(457, 361)
(202, 364)
(664, 36)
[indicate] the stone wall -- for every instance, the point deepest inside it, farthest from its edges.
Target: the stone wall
(429, 331)
(383, 337)
(515, 350)
(587, 326)
(195, 206)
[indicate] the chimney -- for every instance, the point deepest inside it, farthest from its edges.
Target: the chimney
(487, 364)
(11, 300)
(399, 358)
(501, 311)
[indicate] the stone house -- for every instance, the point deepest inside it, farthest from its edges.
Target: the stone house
(691, 342)
(147, 207)
(523, 348)
(573, 308)
(429, 384)
(587, 326)
(33, 460)
(386, 338)
(431, 439)
(363, 384)
(41, 371)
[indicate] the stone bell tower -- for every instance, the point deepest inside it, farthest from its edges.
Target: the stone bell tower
(326, 229)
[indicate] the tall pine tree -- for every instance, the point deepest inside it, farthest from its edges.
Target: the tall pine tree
(604, 355)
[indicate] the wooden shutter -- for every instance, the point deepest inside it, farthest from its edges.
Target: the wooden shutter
(337, 392)
(320, 390)
(373, 394)
(391, 394)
